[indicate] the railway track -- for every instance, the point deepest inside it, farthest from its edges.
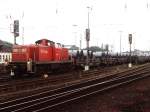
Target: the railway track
(24, 84)
(21, 88)
(4, 79)
(49, 99)
(3, 76)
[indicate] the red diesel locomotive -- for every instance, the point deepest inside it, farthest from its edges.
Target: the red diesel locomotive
(43, 57)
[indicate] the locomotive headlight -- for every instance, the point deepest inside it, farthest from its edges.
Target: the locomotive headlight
(6, 63)
(45, 76)
(28, 62)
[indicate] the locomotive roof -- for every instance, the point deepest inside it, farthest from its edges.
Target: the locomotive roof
(44, 39)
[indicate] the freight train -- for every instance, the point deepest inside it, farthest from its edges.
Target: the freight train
(45, 57)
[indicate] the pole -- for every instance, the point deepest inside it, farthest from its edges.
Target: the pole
(23, 35)
(80, 41)
(120, 41)
(130, 53)
(14, 39)
(88, 17)
(22, 28)
(87, 41)
(75, 33)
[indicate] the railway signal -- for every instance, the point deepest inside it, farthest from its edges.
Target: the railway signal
(88, 34)
(16, 30)
(130, 38)
(130, 42)
(88, 39)
(87, 42)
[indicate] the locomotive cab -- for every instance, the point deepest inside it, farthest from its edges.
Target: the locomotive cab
(22, 58)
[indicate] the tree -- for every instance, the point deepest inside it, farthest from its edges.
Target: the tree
(74, 48)
(94, 48)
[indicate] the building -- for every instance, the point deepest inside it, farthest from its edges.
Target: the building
(5, 51)
(5, 56)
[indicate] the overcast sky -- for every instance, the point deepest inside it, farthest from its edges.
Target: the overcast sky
(65, 21)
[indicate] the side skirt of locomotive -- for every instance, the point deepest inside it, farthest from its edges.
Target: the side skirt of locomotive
(51, 67)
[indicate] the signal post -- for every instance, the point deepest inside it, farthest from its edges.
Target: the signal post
(87, 40)
(130, 42)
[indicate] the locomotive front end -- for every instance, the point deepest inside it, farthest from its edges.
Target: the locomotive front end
(22, 59)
